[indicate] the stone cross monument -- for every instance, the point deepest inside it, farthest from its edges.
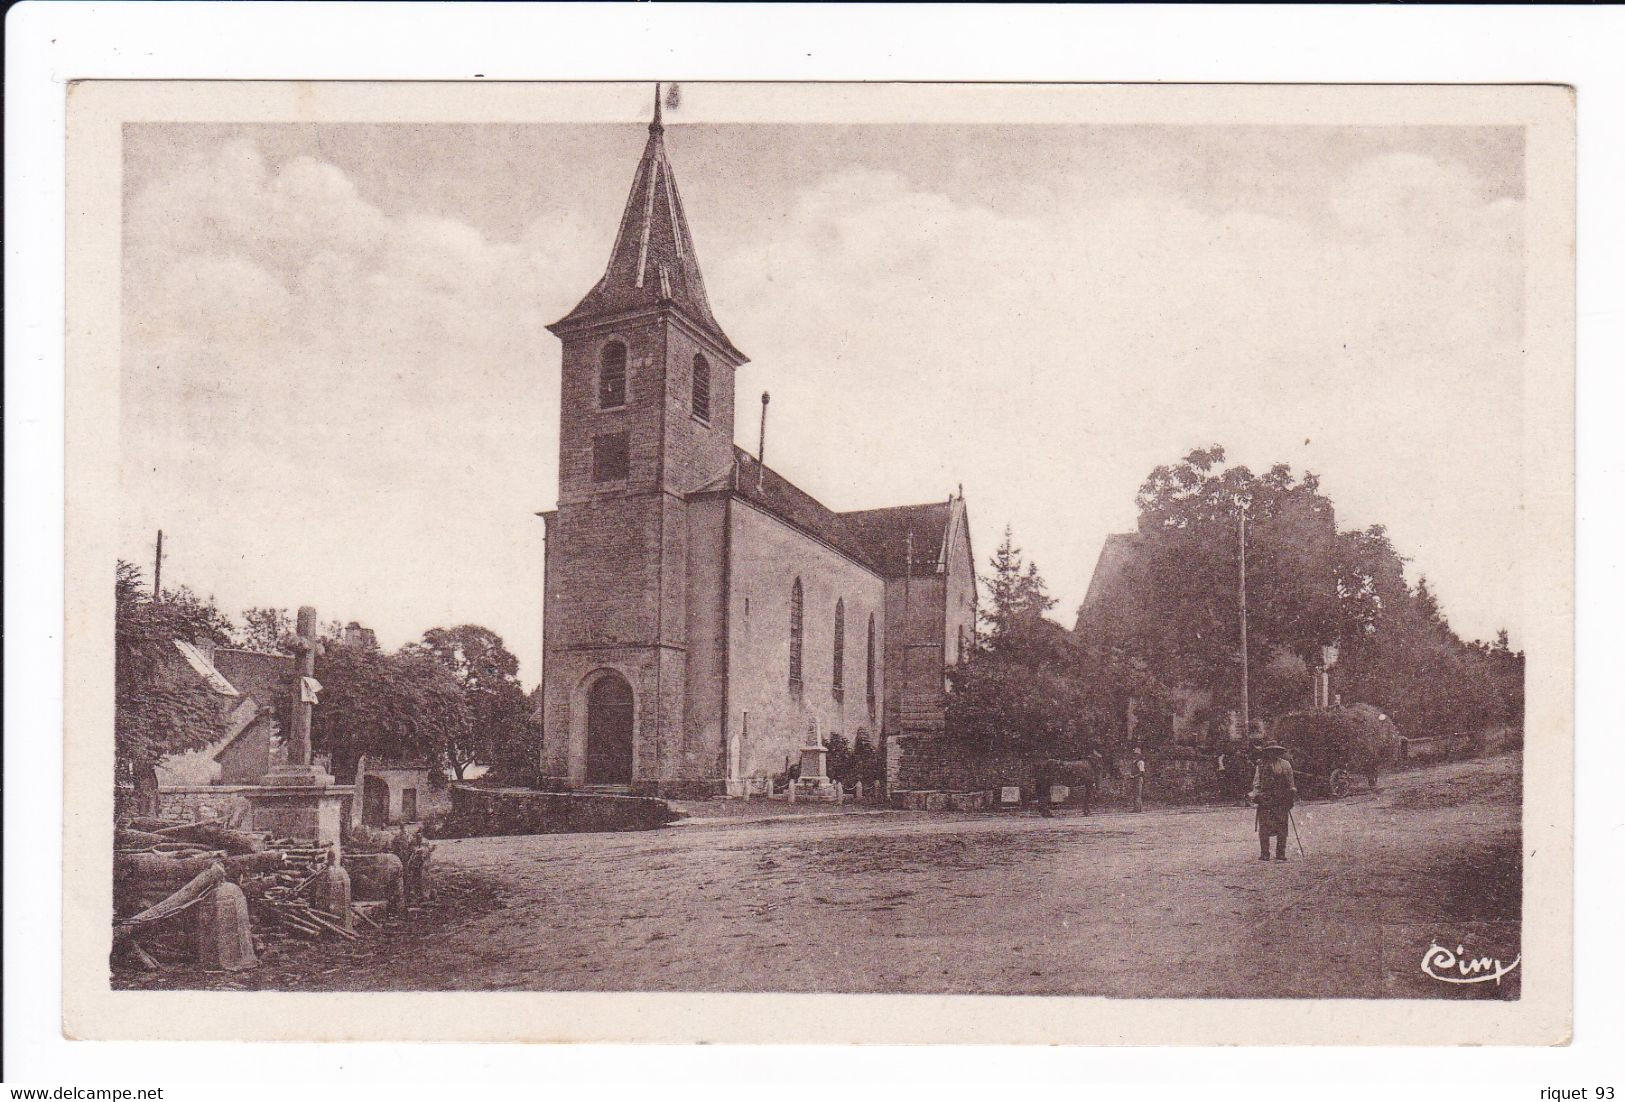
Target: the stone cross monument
(302, 691)
(298, 799)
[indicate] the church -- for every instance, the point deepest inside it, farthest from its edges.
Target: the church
(703, 618)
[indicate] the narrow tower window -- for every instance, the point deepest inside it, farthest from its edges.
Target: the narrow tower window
(795, 637)
(702, 389)
(869, 666)
(838, 681)
(612, 376)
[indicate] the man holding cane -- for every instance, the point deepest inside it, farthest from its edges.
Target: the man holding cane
(1274, 791)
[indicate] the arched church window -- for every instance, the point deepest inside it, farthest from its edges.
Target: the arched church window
(612, 376)
(795, 636)
(701, 396)
(838, 681)
(869, 666)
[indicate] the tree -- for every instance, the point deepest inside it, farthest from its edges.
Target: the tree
(265, 630)
(1308, 585)
(1017, 598)
(1030, 684)
(159, 706)
(398, 706)
(501, 733)
(1186, 621)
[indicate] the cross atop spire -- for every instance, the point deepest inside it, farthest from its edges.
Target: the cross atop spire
(652, 262)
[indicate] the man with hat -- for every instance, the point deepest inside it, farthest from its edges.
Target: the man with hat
(1274, 791)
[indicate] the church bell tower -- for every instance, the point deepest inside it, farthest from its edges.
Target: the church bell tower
(646, 417)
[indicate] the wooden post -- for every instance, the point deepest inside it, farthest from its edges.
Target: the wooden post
(158, 570)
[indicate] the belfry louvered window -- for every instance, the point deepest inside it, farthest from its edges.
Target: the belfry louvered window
(701, 403)
(795, 636)
(838, 678)
(612, 376)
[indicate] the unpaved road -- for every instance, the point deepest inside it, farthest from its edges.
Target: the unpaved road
(1171, 902)
(1166, 903)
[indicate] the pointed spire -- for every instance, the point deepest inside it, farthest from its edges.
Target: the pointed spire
(652, 262)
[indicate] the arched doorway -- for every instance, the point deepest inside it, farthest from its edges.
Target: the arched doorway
(609, 731)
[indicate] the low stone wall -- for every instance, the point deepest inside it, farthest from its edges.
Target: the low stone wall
(478, 811)
(200, 801)
(1174, 774)
(943, 765)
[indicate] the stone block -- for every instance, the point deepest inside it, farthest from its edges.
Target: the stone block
(377, 876)
(331, 894)
(221, 939)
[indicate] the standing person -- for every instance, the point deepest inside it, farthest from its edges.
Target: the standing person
(1274, 791)
(1137, 778)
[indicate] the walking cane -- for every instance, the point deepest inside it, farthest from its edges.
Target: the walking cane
(1293, 819)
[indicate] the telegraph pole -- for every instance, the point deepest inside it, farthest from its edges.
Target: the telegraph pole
(158, 570)
(1241, 590)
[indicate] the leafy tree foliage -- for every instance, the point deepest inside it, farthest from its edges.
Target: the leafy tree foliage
(400, 706)
(1177, 608)
(265, 630)
(1030, 684)
(500, 731)
(160, 707)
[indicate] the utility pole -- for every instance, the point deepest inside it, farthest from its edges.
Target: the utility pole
(158, 570)
(1241, 589)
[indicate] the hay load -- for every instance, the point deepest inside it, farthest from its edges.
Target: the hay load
(1328, 745)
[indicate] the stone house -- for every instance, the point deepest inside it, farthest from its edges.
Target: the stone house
(704, 618)
(253, 690)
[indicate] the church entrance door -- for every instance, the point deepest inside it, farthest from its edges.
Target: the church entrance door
(609, 731)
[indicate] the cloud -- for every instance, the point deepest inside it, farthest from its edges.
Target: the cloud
(1024, 352)
(304, 369)
(330, 402)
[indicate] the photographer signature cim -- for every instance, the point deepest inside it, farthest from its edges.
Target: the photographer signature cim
(1460, 967)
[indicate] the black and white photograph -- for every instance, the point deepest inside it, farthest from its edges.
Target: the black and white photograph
(690, 538)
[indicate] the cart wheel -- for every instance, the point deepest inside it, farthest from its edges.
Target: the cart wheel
(1338, 782)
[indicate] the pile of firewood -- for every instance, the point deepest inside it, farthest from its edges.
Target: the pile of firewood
(162, 869)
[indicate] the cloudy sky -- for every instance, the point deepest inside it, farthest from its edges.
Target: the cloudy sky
(337, 388)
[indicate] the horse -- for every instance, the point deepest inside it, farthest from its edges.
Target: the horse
(1083, 773)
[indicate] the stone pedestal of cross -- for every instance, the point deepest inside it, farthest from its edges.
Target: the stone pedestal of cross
(298, 799)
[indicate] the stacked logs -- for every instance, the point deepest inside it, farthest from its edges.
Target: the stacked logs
(163, 869)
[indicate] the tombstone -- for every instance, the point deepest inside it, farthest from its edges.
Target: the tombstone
(221, 939)
(1010, 795)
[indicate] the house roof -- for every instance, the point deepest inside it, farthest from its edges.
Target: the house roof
(877, 538)
(1120, 557)
(268, 678)
(652, 262)
(886, 532)
(201, 666)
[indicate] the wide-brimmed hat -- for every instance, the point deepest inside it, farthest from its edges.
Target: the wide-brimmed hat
(1272, 746)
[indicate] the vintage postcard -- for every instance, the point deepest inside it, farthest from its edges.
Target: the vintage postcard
(855, 562)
